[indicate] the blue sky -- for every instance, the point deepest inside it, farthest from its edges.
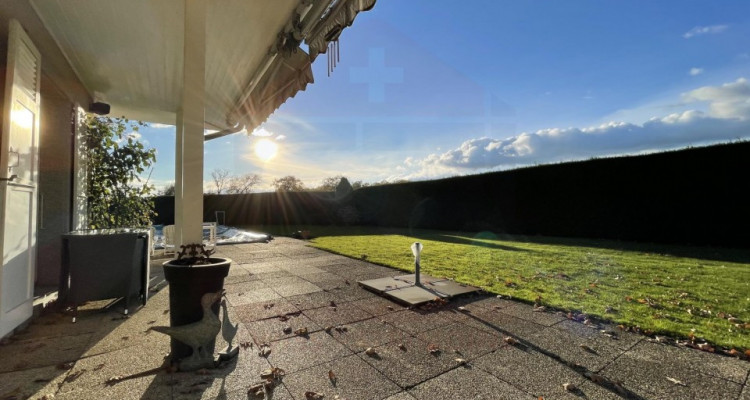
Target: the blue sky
(428, 89)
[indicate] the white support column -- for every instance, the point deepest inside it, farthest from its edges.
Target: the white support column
(189, 153)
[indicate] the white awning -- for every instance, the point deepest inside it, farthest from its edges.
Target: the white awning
(129, 53)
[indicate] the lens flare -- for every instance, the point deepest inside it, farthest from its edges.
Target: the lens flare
(266, 149)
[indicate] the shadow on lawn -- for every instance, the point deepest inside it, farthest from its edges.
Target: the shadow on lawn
(698, 252)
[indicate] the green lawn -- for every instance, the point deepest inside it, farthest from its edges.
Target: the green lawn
(665, 289)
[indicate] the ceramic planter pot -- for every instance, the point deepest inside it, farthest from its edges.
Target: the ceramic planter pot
(187, 284)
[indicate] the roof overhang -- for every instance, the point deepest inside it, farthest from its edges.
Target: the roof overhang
(129, 54)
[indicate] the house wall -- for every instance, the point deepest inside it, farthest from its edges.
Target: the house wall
(60, 91)
(55, 181)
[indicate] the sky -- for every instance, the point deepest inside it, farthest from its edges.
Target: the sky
(426, 89)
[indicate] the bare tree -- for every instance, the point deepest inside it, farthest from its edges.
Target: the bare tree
(221, 179)
(288, 184)
(243, 184)
(329, 184)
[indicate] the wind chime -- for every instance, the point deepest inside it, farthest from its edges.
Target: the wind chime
(334, 56)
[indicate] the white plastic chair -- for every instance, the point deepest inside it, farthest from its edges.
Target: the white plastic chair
(169, 246)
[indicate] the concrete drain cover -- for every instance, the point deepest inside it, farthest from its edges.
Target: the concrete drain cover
(403, 288)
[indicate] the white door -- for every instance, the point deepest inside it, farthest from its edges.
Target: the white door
(19, 149)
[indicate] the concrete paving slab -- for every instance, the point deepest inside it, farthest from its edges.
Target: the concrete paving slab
(606, 334)
(526, 311)
(468, 383)
(322, 276)
(341, 314)
(451, 288)
(258, 311)
(244, 287)
(351, 292)
(410, 364)
(238, 373)
(588, 352)
(355, 380)
(728, 368)
(266, 266)
(461, 340)
(384, 284)
(42, 352)
(424, 278)
(93, 372)
(298, 352)
(654, 378)
(333, 284)
(264, 295)
(368, 333)
(531, 371)
(401, 396)
(312, 300)
(151, 387)
(272, 329)
(273, 283)
(413, 295)
(746, 392)
(279, 273)
(378, 305)
(302, 270)
(297, 289)
(239, 278)
(502, 324)
(29, 383)
(418, 321)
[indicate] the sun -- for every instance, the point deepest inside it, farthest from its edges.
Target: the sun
(266, 149)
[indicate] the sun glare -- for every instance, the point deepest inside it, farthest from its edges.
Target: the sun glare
(266, 149)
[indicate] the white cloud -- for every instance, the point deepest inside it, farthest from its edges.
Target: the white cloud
(262, 132)
(161, 126)
(730, 100)
(281, 137)
(695, 71)
(705, 30)
(728, 119)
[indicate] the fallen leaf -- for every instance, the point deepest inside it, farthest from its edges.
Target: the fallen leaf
(747, 353)
(433, 348)
(256, 391)
(588, 349)
(461, 361)
(510, 340)
(301, 332)
(332, 304)
(628, 299)
(73, 376)
(402, 346)
(245, 345)
(264, 350)
(705, 347)
(540, 309)
(98, 367)
(370, 352)
(328, 329)
(331, 376)
(268, 306)
(67, 365)
(313, 396)
(115, 379)
(676, 381)
(272, 373)
(287, 330)
(389, 307)
(570, 387)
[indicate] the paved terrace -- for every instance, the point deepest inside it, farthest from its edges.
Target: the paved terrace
(287, 284)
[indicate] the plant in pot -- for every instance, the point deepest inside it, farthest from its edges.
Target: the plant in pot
(196, 285)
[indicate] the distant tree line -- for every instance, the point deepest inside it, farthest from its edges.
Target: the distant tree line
(223, 182)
